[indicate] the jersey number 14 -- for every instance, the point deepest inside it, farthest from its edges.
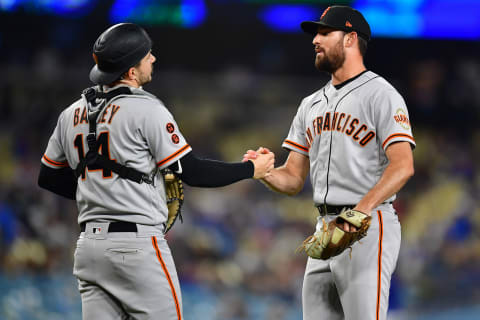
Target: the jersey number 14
(103, 149)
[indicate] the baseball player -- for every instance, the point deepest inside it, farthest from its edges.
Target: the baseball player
(105, 153)
(354, 137)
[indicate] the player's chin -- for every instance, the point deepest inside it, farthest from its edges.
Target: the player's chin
(147, 80)
(319, 63)
(324, 66)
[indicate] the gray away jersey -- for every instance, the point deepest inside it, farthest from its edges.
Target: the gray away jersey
(345, 134)
(135, 130)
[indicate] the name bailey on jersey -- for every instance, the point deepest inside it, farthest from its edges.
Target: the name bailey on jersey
(109, 112)
(341, 122)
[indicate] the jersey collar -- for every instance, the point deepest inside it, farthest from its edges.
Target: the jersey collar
(344, 83)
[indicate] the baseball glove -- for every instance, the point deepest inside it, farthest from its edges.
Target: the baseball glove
(332, 239)
(174, 191)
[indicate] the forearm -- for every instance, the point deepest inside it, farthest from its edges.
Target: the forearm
(289, 178)
(393, 179)
(281, 180)
(60, 181)
(212, 173)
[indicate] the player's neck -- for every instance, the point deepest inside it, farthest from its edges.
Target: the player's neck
(128, 82)
(350, 68)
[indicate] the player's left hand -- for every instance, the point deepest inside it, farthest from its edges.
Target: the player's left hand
(350, 227)
(333, 238)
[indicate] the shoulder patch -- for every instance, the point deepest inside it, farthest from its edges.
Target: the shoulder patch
(401, 118)
(175, 139)
(170, 127)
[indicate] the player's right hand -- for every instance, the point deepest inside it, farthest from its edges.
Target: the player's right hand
(263, 162)
(251, 154)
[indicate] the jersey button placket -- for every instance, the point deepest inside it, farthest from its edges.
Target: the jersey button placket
(324, 142)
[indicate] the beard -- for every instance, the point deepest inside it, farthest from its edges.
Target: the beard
(333, 61)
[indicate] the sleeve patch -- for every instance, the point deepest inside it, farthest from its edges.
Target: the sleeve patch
(175, 139)
(170, 127)
(402, 119)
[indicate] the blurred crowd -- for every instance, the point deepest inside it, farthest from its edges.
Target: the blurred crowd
(235, 250)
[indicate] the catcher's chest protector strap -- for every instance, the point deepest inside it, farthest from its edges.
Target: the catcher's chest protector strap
(93, 158)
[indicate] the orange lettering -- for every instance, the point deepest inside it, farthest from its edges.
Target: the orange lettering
(102, 120)
(353, 126)
(334, 121)
(368, 137)
(346, 122)
(84, 117)
(75, 116)
(319, 125)
(342, 115)
(114, 111)
(362, 128)
(326, 123)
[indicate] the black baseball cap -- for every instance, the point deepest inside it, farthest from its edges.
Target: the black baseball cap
(340, 18)
(118, 49)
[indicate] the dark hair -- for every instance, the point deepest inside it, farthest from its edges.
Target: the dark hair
(362, 46)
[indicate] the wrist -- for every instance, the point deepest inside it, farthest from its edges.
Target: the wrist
(250, 167)
(363, 209)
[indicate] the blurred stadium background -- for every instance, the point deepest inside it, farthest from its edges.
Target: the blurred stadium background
(233, 73)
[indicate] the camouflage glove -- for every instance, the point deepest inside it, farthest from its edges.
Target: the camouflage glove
(174, 191)
(332, 239)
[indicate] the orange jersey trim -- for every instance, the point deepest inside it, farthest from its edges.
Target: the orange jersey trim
(396, 135)
(175, 154)
(164, 267)
(379, 274)
(55, 163)
(296, 145)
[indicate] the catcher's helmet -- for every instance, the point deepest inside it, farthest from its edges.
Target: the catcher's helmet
(117, 49)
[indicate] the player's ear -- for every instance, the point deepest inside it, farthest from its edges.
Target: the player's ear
(132, 74)
(350, 39)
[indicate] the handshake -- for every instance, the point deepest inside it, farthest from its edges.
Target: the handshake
(263, 161)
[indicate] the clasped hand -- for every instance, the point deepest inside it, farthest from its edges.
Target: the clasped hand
(263, 160)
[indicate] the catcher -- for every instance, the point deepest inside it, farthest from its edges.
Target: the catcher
(354, 138)
(105, 153)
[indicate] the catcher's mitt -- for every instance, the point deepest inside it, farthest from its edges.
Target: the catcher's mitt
(174, 191)
(332, 239)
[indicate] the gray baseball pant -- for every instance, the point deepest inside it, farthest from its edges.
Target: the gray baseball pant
(355, 285)
(126, 275)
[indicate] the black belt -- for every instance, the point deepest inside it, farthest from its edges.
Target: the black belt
(119, 226)
(324, 209)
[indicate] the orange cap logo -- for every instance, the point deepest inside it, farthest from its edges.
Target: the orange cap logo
(324, 13)
(95, 58)
(348, 24)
